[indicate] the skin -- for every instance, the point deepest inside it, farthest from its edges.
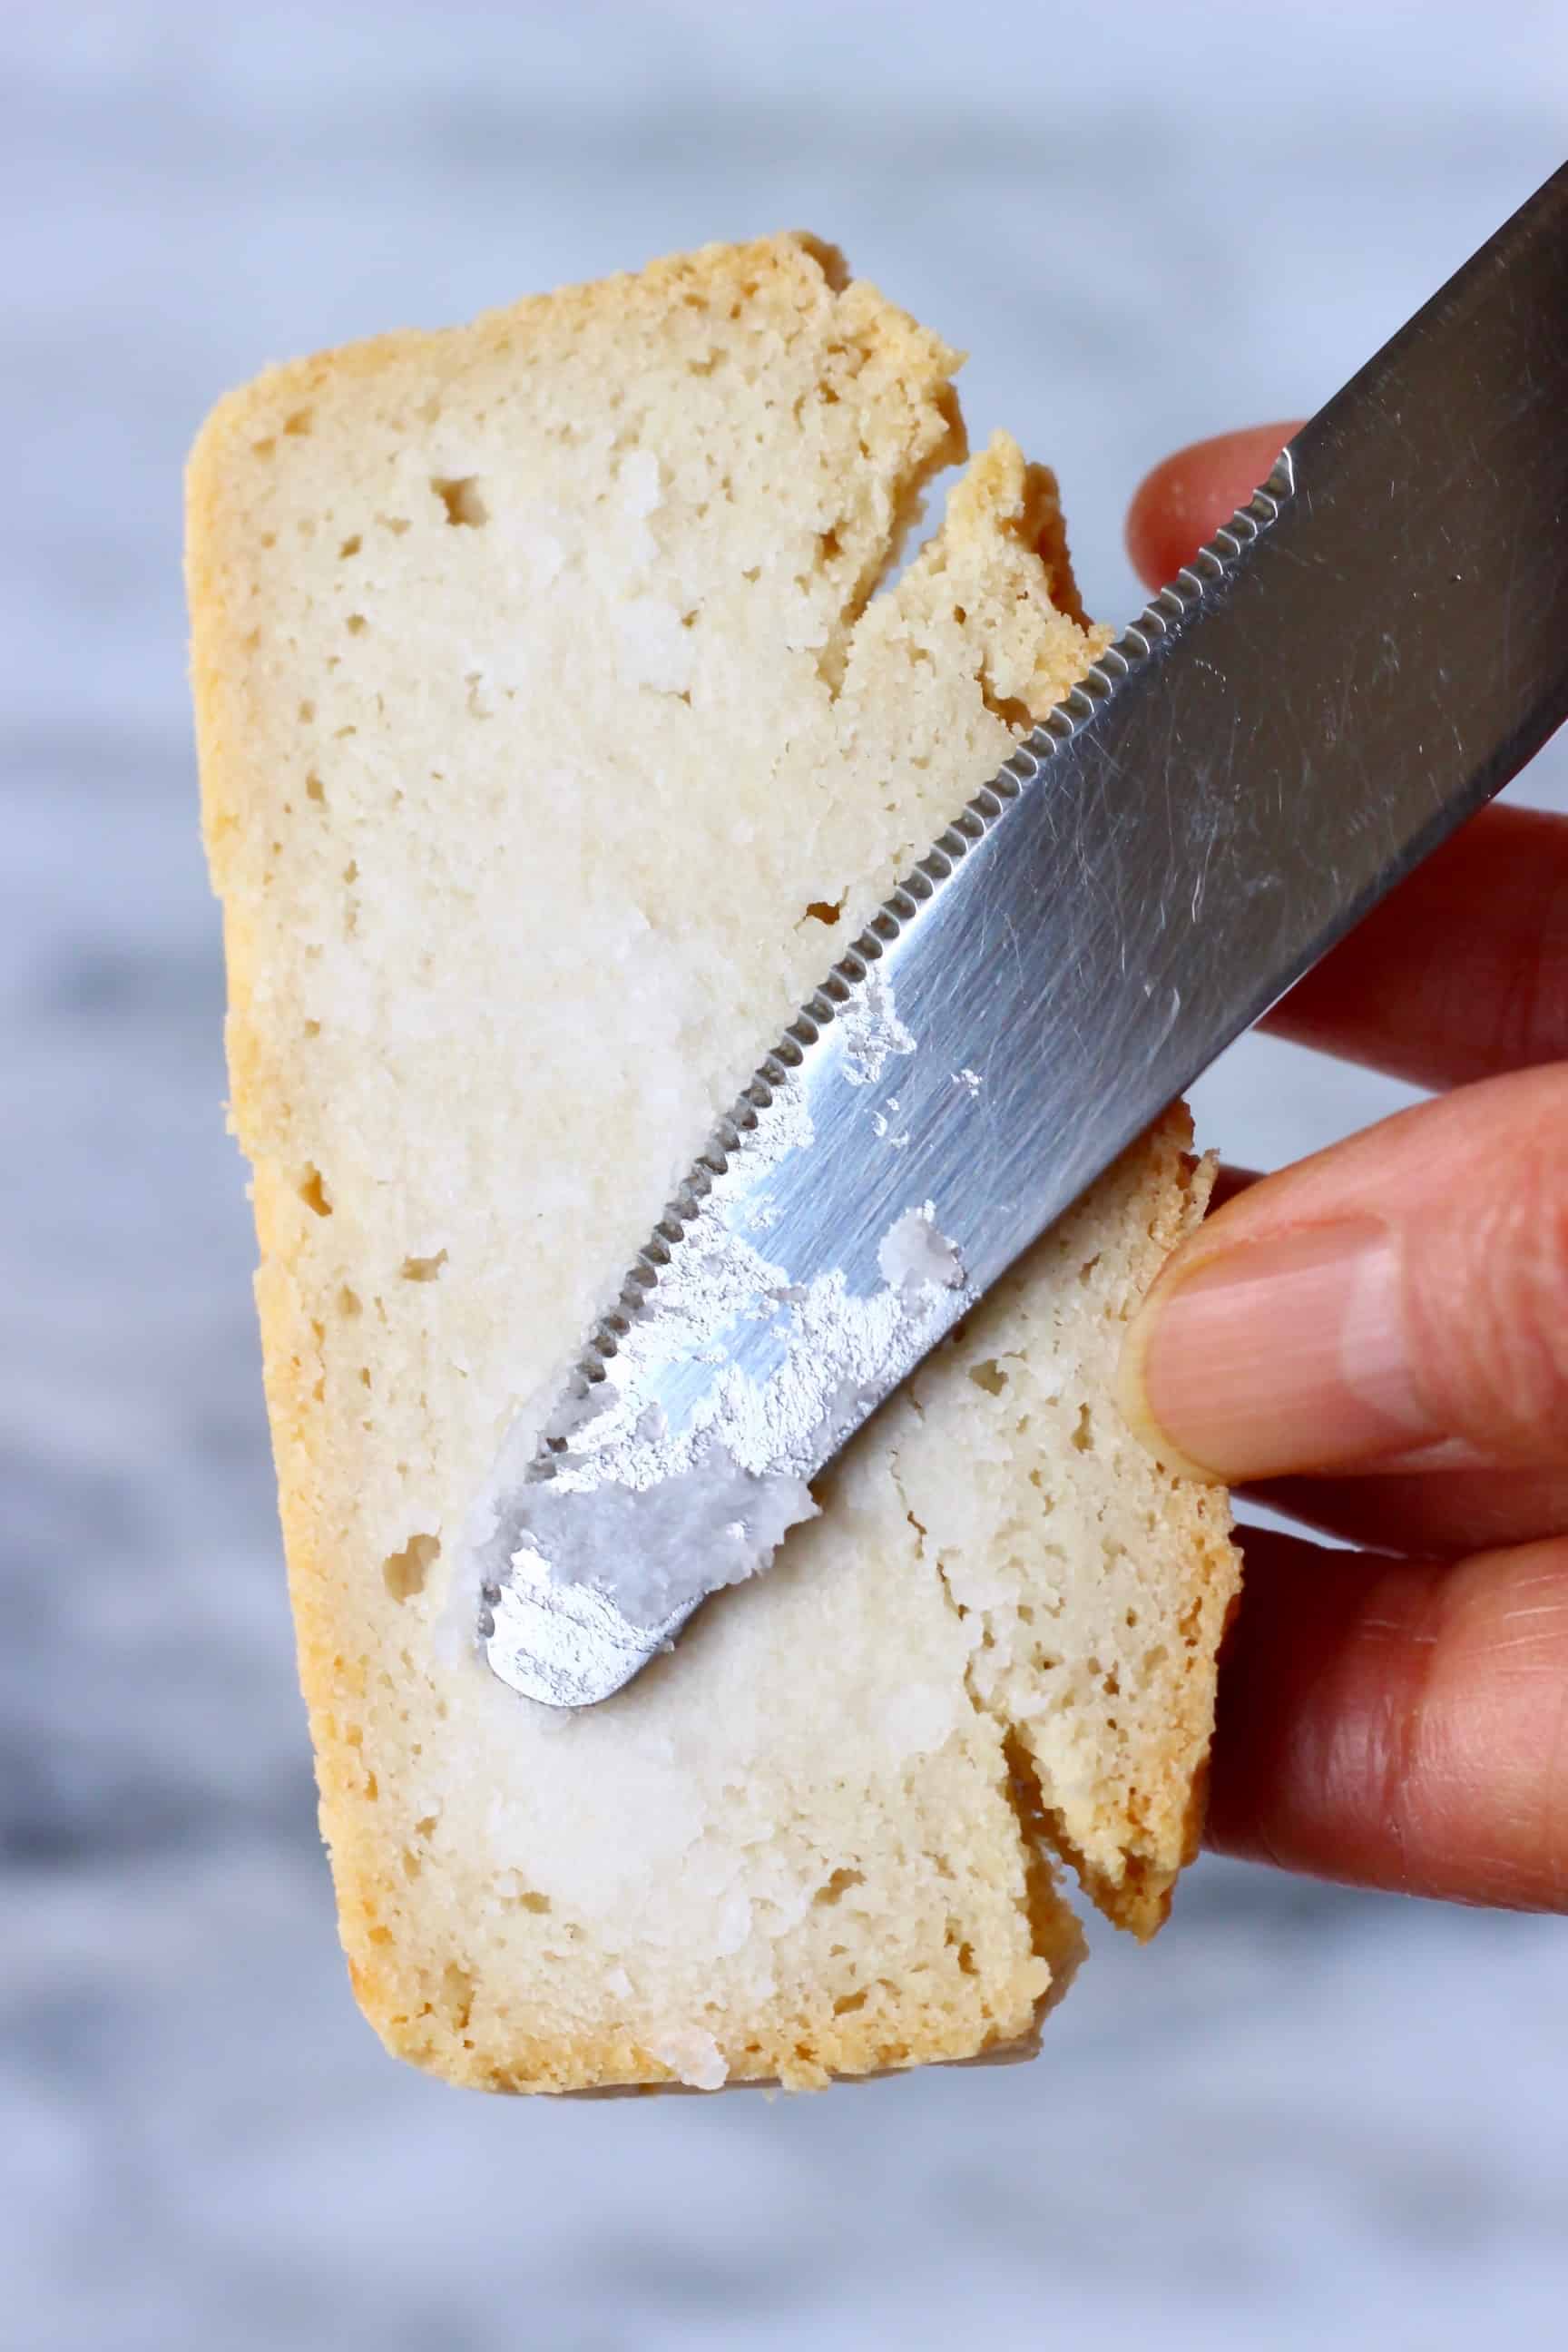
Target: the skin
(1397, 1716)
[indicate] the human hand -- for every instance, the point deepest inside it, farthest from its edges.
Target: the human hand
(1376, 1341)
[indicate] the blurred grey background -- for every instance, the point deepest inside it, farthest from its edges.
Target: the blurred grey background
(1307, 2116)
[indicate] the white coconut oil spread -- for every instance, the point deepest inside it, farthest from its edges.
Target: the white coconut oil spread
(706, 1524)
(871, 1031)
(912, 1252)
(653, 1511)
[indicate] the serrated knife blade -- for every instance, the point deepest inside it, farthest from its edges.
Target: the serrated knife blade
(1374, 645)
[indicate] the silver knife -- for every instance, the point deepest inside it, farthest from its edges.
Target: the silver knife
(1370, 649)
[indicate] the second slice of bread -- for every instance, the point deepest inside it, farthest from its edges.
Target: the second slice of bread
(552, 733)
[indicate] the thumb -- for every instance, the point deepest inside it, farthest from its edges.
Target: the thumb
(1399, 1301)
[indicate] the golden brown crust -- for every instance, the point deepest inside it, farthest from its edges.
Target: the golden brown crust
(1177, 1775)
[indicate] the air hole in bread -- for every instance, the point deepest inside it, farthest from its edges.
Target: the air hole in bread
(989, 1376)
(314, 1192)
(1083, 1435)
(838, 1887)
(403, 1573)
(461, 498)
(356, 625)
(422, 1269)
(456, 1995)
(351, 545)
(825, 910)
(349, 1302)
(299, 423)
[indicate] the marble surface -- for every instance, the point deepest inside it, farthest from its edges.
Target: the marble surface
(1306, 2114)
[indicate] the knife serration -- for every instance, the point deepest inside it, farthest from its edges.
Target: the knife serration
(1371, 647)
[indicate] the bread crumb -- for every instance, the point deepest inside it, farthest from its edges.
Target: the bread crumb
(692, 2056)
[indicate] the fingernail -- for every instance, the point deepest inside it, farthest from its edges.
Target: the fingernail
(1289, 1354)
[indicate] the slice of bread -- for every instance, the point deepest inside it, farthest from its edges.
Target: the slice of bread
(552, 735)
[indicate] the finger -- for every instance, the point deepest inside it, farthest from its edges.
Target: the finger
(1423, 1515)
(1462, 972)
(1399, 1724)
(1397, 1302)
(1228, 1181)
(1187, 497)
